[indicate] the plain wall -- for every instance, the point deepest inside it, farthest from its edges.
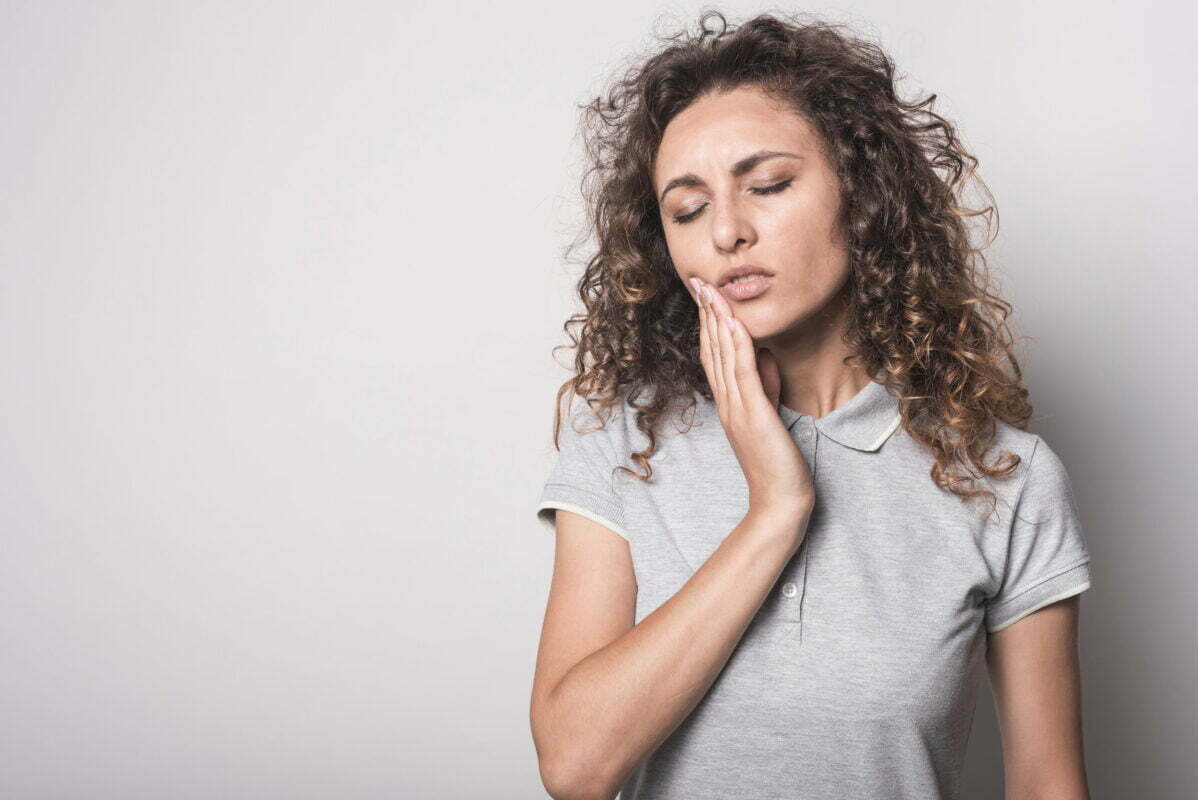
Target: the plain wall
(280, 283)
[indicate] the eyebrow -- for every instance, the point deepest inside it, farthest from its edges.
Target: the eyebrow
(739, 168)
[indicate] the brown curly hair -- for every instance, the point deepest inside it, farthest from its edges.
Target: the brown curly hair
(921, 310)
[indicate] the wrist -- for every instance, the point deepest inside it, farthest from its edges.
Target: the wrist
(788, 516)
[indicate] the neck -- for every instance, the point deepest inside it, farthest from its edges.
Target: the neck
(810, 356)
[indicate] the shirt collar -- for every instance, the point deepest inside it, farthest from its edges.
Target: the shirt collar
(863, 423)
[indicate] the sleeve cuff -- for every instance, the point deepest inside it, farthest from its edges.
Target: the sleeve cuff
(580, 501)
(1073, 580)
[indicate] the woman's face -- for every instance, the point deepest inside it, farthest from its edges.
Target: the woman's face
(740, 180)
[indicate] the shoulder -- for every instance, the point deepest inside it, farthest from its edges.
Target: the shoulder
(602, 428)
(594, 416)
(1038, 460)
(612, 433)
(1041, 478)
(1010, 439)
(1007, 440)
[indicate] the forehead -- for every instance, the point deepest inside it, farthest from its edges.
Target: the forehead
(717, 129)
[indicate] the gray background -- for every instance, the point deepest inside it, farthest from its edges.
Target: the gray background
(279, 286)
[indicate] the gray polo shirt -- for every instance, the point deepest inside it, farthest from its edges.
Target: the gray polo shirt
(858, 676)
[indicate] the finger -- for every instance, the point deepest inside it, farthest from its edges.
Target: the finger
(702, 326)
(748, 376)
(705, 349)
(744, 375)
(728, 357)
(720, 303)
(723, 330)
(704, 346)
(716, 375)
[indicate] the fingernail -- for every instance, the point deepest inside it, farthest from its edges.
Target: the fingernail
(695, 286)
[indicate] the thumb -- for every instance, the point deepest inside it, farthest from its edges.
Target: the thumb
(771, 377)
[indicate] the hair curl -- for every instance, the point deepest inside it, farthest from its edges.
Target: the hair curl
(920, 305)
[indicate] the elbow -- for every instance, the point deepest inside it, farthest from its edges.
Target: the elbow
(574, 779)
(570, 769)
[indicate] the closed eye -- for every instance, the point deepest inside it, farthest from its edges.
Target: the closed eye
(777, 187)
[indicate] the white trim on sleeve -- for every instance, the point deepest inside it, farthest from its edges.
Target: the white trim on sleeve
(1081, 587)
(582, 512)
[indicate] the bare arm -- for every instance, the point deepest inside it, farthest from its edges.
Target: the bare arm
(607, 693)
(594, 724)
(1036, 682)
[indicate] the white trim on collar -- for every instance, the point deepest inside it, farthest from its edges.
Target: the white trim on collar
(865, 422)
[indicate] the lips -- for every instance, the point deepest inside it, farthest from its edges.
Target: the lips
(753, 286)
(732, 274)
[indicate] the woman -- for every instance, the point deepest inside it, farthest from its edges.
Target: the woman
(811, 510)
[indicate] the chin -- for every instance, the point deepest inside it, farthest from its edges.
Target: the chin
(767, 321)
(764, 323)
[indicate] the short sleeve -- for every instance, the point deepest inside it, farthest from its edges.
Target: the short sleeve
(583, 477)
(1047, 556)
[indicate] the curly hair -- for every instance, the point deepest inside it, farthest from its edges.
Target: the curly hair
(921, 309)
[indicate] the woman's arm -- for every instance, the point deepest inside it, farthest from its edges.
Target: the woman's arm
(607, 693)
(1036, 681)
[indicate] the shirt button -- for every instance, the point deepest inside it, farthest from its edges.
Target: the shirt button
(805, 434)
(789, 589)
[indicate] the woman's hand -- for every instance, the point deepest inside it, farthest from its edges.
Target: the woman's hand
(746, 394)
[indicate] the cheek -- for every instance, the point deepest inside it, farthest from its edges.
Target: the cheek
(818, 276)
(684, 252)
(804, 227)
(807, 238)
(814, 270)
